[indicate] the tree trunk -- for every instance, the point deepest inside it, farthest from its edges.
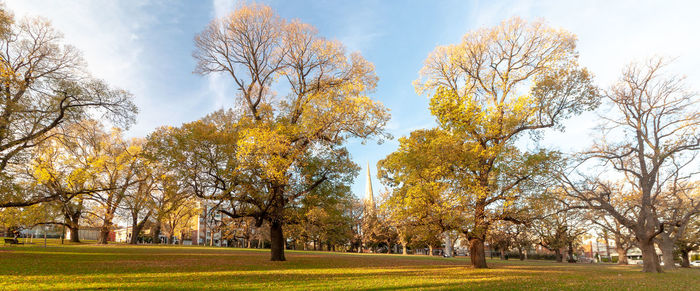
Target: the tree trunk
(666, 245)
(276, 241)
(649, 257)
(73, 221)
(156, 233)
(476, 252)
(520, 254)
(103, 238)
(570, 253)
(557, 255)
(405, 251)
(248, 241)
(430, 250)
(137, 227)
(448, 245)
(135, 230)
(74, 233)
(621, 255)
(501, 255)
(478, 234)
(685, 259)
(104, 235)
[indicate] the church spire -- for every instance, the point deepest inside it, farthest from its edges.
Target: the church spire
(368, 190)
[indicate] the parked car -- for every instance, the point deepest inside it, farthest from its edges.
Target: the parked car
(695, 263)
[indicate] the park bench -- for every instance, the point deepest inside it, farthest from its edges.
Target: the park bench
(12, 241)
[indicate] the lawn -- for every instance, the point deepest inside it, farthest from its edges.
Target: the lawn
(89, 266)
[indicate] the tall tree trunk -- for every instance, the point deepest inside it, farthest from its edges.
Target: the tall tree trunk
(405, 251)
(73, 224)
(478, 234)
(74, 233)
(570, 253)
(557, 255)
(135, 230)
(103, 238)
(685, 259)
(521, 256)
(649, 257)
(276, 241)
(248, 242)
(666, 244)
(448, 245)
(156, 232)
(430, 250)
(477, 253)
(621, 254)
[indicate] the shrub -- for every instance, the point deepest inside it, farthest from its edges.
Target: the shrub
(541, 257)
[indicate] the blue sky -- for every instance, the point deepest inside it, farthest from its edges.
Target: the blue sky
(145, 47)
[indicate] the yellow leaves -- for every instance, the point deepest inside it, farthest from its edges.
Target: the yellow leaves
(265, 149)
(42, 175)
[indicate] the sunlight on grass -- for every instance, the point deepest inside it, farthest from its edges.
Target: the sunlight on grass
(31, 267)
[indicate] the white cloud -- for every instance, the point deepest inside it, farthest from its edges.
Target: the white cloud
(107, 34)
(223, 7)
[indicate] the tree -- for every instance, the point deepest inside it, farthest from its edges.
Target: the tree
(677, 207)
(117, 165)
(44, 84)
(560, 226)
(690, 241)
(285, 147)
(493, 87)
(420, 174)
(63, 167)
(324, 216)
(179, 218)
(173, 204)
(624, 239)
(140, 200)
(523, 240)
(508, 235)
(376, 230)
(649, 138)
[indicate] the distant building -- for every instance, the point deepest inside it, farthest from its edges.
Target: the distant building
(369, 194)
(90, 233)
(207, 229)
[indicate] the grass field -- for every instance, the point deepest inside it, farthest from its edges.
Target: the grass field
(85, 266)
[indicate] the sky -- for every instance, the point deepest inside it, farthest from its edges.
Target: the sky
(146, 47)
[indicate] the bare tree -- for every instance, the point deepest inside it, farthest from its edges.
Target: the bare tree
(677, 207)
(690, 241)
(654, 125)
(624, 240)
(43, 84)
